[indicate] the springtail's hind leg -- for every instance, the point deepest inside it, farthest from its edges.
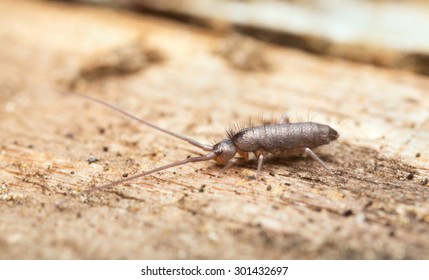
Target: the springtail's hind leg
(284, 119)
(260, 162)
(316, 158)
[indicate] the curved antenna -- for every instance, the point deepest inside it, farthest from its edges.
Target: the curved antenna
(209, 156)
(193, 142)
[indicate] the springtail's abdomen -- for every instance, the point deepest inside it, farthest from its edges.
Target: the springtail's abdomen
(284, 137)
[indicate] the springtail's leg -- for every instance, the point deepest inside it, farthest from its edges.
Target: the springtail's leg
(227, 166)
(260, 162)
(316, 158)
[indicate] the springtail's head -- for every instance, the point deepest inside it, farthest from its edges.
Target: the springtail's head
(224, 151)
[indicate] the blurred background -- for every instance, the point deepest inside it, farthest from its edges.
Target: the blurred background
(391, 33)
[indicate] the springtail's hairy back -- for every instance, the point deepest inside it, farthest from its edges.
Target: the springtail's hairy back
(283, 137)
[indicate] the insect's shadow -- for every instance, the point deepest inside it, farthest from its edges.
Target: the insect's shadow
(293, 166)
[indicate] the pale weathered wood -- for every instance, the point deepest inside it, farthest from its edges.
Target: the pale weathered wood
(386, 33)
(195, 83)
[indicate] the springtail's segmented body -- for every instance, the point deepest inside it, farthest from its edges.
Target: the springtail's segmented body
(283, 138)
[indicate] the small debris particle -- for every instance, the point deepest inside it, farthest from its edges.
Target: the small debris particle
(134, 143)
(272, 173)
(69, 135)
(275, 207)
(125, 175)
(347, 213)
(72, 172)
(105, 149)
(118, 154)
(410, 176)
(188, 156)
(424, 181)
(287, 184)
(269, 188)
(202, 188)
(418, 155)
(154, 154)
(368, 203)
(93, 159)
(101, 130)
(30, 146)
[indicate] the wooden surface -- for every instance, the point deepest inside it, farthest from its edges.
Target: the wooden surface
(195, 83)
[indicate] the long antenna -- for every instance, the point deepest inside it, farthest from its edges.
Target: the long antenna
(184, 138)
(206, 157)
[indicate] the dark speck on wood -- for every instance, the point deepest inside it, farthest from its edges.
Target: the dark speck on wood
(93, 159)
